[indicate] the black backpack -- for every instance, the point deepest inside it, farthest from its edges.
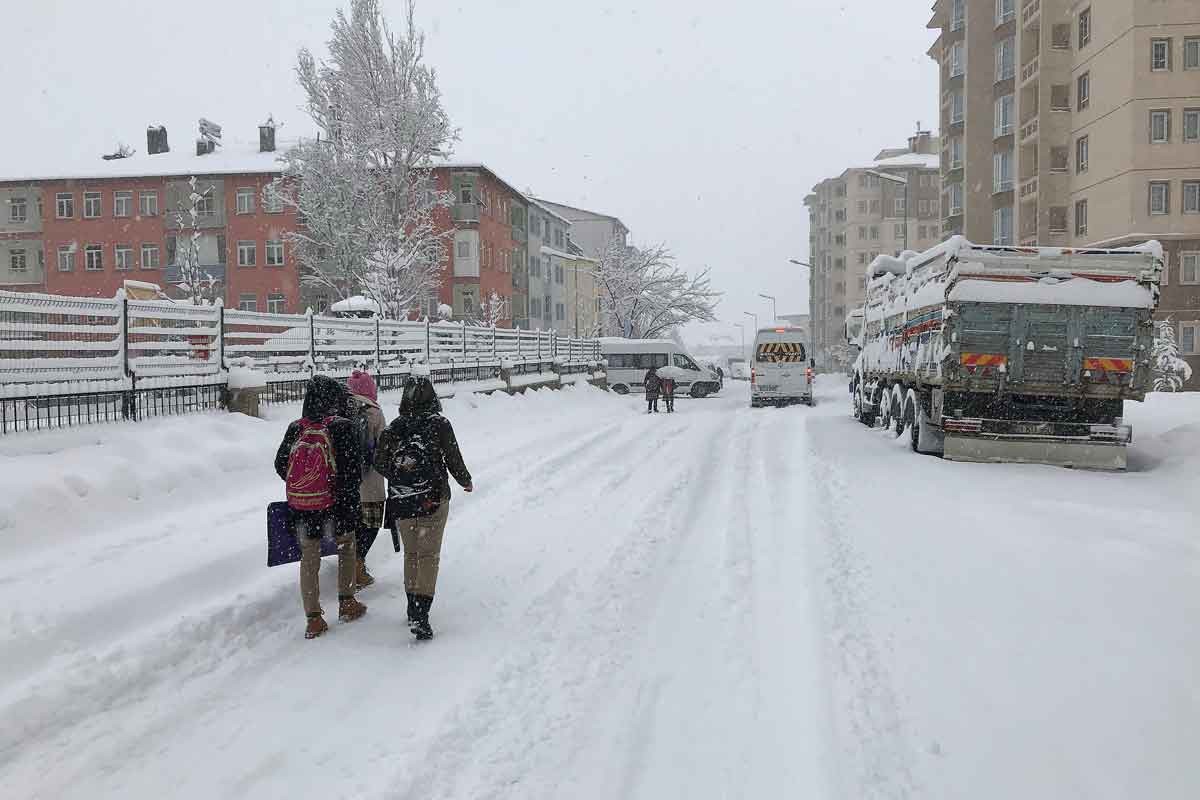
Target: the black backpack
(413, 476)
(362, 435)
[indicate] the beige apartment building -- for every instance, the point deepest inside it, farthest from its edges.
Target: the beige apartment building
(1076, 124)
(888, 206)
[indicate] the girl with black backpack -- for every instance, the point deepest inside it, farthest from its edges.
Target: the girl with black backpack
(415, 453)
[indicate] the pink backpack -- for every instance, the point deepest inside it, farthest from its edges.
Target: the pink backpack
(311, 468)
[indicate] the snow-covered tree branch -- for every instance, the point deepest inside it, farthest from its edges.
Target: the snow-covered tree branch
(365, 188)
(1170, 371)
(645, 294)
(197, 283)
(493, 309)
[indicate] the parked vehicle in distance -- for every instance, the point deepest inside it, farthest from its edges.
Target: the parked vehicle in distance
(739, 369)
(628, 360)
(783, 368)
(995, 353)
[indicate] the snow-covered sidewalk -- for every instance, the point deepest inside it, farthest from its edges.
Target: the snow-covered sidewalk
(723, 602)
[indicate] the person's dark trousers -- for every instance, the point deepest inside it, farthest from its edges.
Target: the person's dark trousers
(365, 537)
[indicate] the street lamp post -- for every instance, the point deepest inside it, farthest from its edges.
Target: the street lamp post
(755, 318)
(774, 311)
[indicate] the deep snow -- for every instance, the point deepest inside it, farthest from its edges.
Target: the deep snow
(723, 602)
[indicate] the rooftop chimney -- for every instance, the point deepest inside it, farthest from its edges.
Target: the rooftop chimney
(266, 136)
(921, 142)
(156, 140)
(205, 146)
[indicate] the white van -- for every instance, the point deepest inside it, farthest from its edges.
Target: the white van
(628, 360)
(783, 368)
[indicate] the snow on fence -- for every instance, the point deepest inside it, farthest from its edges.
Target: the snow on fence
(66, 360)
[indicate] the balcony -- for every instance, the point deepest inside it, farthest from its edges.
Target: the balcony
(1029, 72)
(1031, 13)
(1029, 189)
(519, 234)
(1029, 130)
(465, 212)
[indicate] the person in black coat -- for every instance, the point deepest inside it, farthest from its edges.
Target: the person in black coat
(421, 428)
(653, 384)
(325, 398)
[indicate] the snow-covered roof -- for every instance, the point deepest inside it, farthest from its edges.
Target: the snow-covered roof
(923, 160)
(454, 163)
(232, 158)
(533, 201)
(595, 214)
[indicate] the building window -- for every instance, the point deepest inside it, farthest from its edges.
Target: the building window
(1060, 36)
(956, 107)
(205, 205)
(862, 258)
(956, 152)
(274, 253)
(272, 200)
(1160, 55)
(955, 199)
(1060, 97)
(862, 206)
(247, 253)
(957, 64)
(64, 205)
(921, 233)
(1189, 338)
(149, 204)
(462, 249)
(1191, 197)
(150, 256)
(66, 258)
(1191, 53)
(1189, 268)
(1005, 11)
(1160, 126)
(1085, 27)
(17, 262)
(276, 303)
(874, 206)
(1005, 59)
(93, 258)
(546, 308)
(91, 205)
(899, 206)
(874, 232)
(1081, 218)
(1002, 225)
(122, 204)
(18, 210)
(958, 14)
(923, 208)
(1002, 171)
(124, 255)
(1004, 116)
(898, 230)
(559, 312)
(247, 302)
(1191, 124)
(245, 200)
(1160, 197)
(1081, 154)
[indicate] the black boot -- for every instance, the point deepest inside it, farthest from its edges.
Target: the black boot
(418, 616)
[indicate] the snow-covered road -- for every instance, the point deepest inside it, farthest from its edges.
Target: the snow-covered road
(721, 603)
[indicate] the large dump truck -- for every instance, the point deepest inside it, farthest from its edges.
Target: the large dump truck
(992, 353)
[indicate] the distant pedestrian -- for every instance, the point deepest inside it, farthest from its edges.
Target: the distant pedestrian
(653, 384)
(369, 424)
(320, 463)
(415, 452)
(668, 392)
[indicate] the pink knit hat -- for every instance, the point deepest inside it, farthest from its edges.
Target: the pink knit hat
(362, 384)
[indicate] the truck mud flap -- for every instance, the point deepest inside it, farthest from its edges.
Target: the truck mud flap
(1077, 454)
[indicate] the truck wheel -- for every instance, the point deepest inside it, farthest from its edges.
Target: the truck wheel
(866, 416)
(925, 438)
(897, 401)
(885, 408)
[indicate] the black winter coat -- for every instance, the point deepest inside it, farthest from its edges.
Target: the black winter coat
(420, 414)
(325, 397)
(652, 383)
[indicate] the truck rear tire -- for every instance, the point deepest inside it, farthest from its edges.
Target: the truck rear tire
(897, 402)
(925, 438)
(885, 408)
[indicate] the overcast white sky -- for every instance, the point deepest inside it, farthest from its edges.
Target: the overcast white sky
(700, 124)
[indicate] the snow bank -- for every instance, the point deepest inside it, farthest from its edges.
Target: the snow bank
(243, 378)
(1050, 291)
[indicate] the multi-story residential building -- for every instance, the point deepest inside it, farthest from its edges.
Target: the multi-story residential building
(583, 293)
(549, 233)
(590, 233)
(590, 230)
(1076, 123)
(886, 207)
(85, 230)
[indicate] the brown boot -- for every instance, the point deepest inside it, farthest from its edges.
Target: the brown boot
(364, 578)
(350, 609)
(316, 626)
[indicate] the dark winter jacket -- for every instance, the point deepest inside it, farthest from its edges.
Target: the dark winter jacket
(325, 397)
(667, 385)
(420, 414)
(652, 383)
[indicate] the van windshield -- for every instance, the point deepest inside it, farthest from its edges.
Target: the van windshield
(779, 353)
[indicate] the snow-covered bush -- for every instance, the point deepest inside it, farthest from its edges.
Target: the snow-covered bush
(1170, 371)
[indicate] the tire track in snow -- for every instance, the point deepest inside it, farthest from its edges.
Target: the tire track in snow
(877, 754)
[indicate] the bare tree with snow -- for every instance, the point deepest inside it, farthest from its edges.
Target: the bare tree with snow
(1170, 371)
(197, 283)
(365, 187)
(492, 310)
(645, 294)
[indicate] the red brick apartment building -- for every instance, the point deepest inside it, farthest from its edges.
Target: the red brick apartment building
(86, 229)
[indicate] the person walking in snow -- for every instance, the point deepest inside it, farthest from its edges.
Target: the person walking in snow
(652, 383)
(319, 461)
(667, 384)
(369, 423)
(415, 453)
